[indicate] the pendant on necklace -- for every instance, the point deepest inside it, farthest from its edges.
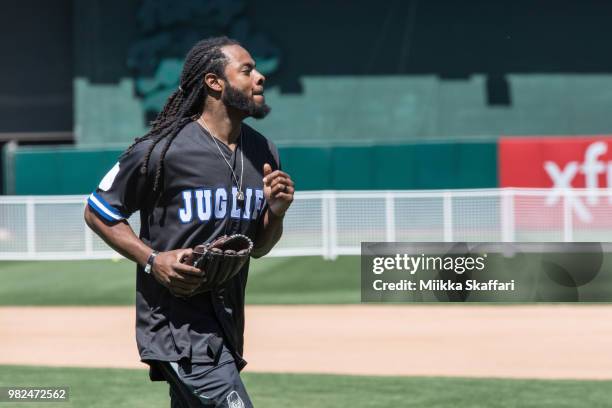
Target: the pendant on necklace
(240, 198)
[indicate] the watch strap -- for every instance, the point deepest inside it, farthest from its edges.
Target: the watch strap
(149, 265)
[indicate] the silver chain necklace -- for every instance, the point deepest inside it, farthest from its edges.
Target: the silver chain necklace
(240, 195)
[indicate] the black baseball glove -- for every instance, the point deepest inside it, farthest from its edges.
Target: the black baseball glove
(221, 259)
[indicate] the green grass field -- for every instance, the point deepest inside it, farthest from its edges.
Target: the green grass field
(102, 388)
(299, 280)
(271, 281)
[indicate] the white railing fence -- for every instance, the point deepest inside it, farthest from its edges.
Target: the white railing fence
(332, 223)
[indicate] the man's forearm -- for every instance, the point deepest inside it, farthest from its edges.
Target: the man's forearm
(120, 237)
(269, 235)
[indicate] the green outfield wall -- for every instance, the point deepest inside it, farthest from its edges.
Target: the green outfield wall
(70, 170)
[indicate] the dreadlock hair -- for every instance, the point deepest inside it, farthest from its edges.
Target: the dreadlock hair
(186, 102)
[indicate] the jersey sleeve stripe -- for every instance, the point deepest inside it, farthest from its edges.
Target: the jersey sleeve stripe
(105, 211)
(99, 211)
(106, 205)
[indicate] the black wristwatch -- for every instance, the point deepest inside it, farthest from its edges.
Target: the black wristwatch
(149, 266)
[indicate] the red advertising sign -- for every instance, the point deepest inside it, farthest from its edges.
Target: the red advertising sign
(557, 163)
(560, 162)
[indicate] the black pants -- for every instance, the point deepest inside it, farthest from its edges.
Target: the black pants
(194, 385)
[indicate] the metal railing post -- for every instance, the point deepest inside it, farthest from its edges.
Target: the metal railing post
(508, 217)
(333, 227)
(567, 216)
(30, 226)
(325, 226)
(448, 216)
(389, 217)
(88, 240)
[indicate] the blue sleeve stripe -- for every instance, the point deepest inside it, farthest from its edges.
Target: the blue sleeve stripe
(104, 211)
(106, 205)
(98, 211)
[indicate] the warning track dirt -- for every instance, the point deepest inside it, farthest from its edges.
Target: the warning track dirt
(536, 341)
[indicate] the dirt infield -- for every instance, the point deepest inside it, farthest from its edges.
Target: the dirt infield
(543, 341)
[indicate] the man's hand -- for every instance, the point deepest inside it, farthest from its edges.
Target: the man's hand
(278, 190)
(180, 278)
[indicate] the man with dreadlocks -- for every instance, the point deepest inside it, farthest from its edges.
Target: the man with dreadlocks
(199, 173)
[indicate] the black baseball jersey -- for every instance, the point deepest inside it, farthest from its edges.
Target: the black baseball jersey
(199, 203)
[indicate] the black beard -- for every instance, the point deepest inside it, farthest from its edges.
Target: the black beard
(238, 100)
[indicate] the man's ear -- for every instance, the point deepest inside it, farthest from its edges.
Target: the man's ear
(213, 82)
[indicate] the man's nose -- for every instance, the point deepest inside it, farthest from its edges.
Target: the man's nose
(261, 79)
